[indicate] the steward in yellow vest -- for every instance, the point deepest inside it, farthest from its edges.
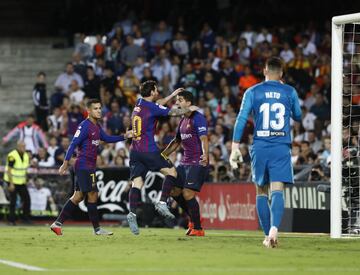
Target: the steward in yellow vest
(15, 175)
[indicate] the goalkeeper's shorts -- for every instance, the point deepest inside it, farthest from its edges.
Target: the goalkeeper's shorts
(271, 162)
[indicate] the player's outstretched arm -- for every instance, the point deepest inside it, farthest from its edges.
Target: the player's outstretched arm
(165, 100)
(172, 146)
(204, 158)
(111, 139)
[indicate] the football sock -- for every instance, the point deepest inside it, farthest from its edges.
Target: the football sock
(182, 203)
(166, 187)
(277, 207)
(65, 212)
(93, 214)
(134, 199)
(263, 211)
(193, 207)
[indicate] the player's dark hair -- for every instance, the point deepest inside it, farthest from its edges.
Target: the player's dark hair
(274, 64)
(92, 101)
(41, 74)
(146, 88)
(188, 96)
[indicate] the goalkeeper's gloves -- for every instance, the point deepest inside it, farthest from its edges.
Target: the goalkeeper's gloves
(235, 158)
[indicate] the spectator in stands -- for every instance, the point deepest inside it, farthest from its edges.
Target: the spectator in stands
(73, 119)
(180, 45)
(138, 36)
(310, 96)
(55, 122)
(131, 52)
(52, 146)
(158, 37)
(207, 37)
(76, 95)
(114, 119)
(61, 151)
(128, 84)
(64, 80)
(113, 55)
(41, 198)
(91, 84)
(242, 52)
(315, 144)
(148, 75)
(139, 67)
(161, 68)
(43, 159)
(286, 53)
(197, 50)
(321, 109)
(189, 80)
(247, 80)
(40, 100)
(308, 47)
(79, 65)
(295, 155)
(222, 48)
(227, 71)
(99, 47)
(83, 48)
(28, 132)
(264, 35)
(308, 119)
(107, 84)
(249, 35)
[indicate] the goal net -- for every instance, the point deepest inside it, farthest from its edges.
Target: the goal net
(345, 121)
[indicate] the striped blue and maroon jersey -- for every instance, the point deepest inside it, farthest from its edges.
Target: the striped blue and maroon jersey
(143, 120)
(189, 131)
(87, 139)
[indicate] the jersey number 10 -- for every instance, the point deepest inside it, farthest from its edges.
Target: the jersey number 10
(279, 110)
(136, 127)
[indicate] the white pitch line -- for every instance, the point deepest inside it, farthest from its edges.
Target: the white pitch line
(22, 266)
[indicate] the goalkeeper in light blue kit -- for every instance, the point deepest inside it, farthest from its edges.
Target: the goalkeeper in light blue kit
(272, 104)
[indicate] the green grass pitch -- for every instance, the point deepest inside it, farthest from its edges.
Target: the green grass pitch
(168, 251)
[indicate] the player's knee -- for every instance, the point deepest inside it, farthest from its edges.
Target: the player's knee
(277, 186)
(262, 190)
(137, 183)
(169, 172)
(188, 194)
(175, 191)
(92, 196)
(77, 197)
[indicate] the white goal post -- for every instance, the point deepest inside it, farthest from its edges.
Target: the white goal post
(338, 23)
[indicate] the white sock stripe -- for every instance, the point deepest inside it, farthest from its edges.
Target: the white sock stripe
(262, 196)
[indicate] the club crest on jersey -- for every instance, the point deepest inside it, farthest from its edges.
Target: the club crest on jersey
(188, 126)
(95, 142)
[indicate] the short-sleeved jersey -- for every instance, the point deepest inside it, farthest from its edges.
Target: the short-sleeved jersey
(87, 138)
(189, 131)
(143, 121)
(272, 105)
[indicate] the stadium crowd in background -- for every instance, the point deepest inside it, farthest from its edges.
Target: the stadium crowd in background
(217, 65)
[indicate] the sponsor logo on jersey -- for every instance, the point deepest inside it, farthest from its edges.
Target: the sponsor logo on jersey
(202, 129)
(186, 136)
(278, 134)
(263, 133)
